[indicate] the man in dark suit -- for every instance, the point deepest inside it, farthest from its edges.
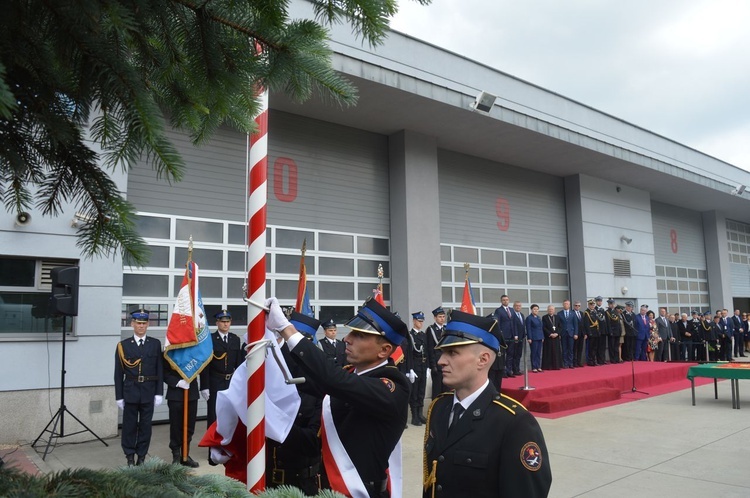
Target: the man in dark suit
(521, 333)
(478, 442)
(643, 331)
(664, 329)
(685, 331)
(365, 407)
(568, 332)
(433, 334)
(138, 387)
(227, 356)
(176, 387)
(507, 323)
(334, 349)
(725, 336)
(738, 332)
(579, 347)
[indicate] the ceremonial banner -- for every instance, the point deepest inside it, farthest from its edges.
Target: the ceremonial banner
(467, 302)
(187, 346)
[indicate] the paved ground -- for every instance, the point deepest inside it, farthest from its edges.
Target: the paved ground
(660, 446)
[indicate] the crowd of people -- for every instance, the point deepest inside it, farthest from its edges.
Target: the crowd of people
(358, 390)
(354, 405)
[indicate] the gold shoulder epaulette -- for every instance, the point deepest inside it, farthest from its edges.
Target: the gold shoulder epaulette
(508, 403)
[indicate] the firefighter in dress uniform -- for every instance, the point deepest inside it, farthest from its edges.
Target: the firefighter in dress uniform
(416, 367)
(433, 334)
(365, 407)
(334, 348)
(138, 387)
(228, 354)
(480, 443)
(297, 461)
(614, 326)
(601, 350)
(591, 326)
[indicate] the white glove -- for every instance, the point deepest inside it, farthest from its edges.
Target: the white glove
(411, 376)
(158, 400)
(120, 404)
(205, 394)
(218, 455)
(275, 319)
(183, 384)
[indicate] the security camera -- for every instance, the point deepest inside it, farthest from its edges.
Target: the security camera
(23, 219)
(739, 190)
(627, 240)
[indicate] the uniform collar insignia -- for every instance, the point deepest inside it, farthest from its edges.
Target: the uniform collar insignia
(477, 412)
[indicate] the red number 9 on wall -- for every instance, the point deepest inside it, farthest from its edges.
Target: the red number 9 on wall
(673, 240)
(502, 209)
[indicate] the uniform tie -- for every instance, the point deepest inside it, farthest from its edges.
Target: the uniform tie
(225, 339)
(458, 410)
(140, 343)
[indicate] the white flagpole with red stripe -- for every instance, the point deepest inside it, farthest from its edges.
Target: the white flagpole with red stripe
(256, 291)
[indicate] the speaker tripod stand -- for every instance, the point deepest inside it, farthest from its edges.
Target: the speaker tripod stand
(58, 419)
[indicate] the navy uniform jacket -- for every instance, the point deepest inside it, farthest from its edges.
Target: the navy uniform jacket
(496, 450)
(613, 322)
(369, 410)
(433, 355)
(174, 393)
(591, 324)
(628, 318)
(507, 324)
(135, 361)
(226, 358)
(414, 346)
(337, 354)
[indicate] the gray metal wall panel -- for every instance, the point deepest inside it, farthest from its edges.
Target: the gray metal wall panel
(688, 227)
(740, 275)
(469, 189)
(212, 186)
(342, 177)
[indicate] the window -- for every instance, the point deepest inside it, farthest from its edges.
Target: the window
(25, 286)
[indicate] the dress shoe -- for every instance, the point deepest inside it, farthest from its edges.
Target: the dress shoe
(189, 462)
(141, 460)
(422, 418)
(416, 422)
(131, 460)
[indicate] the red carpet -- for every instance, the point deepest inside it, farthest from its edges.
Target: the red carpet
(559, 393)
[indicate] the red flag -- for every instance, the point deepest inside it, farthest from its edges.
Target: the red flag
(398, 354)
(467, 302)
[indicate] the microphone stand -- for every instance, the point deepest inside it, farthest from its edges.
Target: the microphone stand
(632, 371)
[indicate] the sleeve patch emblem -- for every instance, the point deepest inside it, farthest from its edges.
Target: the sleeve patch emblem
(531, 456)
(389, 384)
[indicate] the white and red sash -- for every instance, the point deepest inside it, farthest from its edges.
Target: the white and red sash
(342, 475)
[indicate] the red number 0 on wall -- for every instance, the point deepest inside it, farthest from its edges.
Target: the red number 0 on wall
(285, 168)
(673, 240)
(502, 209)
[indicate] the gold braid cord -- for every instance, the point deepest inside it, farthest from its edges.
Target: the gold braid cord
(595, 323)
(429, 477)
(127, 363)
